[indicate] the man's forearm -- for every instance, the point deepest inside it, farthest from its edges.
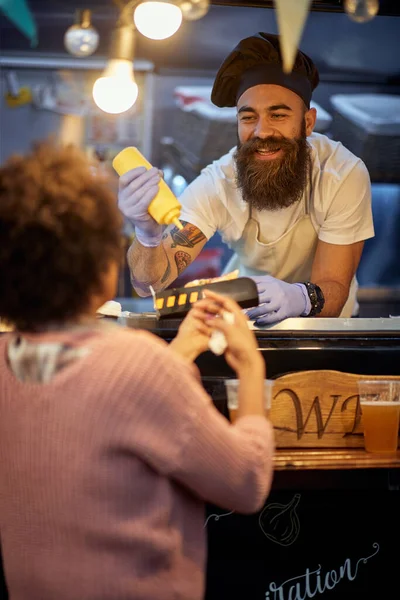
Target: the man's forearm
(160, 266)
(148, 266)
(335, 295)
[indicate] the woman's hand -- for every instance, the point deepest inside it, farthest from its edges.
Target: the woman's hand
(242, 353)
(194, 333)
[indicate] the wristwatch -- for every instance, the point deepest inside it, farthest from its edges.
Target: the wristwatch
(316, 298)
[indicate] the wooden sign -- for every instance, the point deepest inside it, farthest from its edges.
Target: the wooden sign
(318, 409)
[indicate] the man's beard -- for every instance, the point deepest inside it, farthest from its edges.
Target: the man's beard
(277, 183)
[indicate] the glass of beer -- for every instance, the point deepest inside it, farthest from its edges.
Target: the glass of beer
(232, 388)
(380, 408)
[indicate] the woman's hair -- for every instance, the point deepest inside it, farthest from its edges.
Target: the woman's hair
(60, 229)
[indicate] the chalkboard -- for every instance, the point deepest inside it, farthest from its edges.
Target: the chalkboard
(306, 544)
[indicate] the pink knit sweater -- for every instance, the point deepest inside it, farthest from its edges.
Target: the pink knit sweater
(105, 469)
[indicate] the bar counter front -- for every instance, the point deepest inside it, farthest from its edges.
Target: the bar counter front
(331, 522)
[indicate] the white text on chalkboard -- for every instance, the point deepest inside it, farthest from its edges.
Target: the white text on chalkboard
(313, 583)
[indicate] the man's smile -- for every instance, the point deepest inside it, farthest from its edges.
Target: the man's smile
(268, 154)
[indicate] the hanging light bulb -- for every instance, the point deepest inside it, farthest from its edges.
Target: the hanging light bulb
(157, 20)
(116, 91)
(81, 39)
(361, 11)
(194, 9)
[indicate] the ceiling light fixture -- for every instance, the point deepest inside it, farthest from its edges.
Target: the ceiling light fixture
(194, 9)
(160, 19)
(361, 11)
(81, 39)
(157, 20)
(116, 90)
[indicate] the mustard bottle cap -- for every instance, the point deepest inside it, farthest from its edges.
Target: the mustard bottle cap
(177, 223)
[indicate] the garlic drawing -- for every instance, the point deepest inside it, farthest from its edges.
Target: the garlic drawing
(280, 523)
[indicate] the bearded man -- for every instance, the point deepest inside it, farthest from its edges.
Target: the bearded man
(294, 206)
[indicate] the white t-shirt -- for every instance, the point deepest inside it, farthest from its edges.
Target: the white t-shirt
(340, 203)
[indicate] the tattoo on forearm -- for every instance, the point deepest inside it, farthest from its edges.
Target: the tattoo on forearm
(189, 236)
(167, 272)
(182, 260)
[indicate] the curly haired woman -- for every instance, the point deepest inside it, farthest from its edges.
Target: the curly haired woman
(109, 445)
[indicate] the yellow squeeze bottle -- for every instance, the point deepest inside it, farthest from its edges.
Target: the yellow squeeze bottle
(165, 208)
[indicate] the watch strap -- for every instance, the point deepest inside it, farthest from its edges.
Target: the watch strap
(316, 296)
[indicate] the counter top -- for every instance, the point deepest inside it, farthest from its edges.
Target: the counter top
(335, 325)
(298, 327)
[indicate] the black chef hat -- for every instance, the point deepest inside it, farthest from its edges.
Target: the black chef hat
(256, 60)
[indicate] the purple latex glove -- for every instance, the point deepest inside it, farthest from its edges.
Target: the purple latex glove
(278, 300)
(137, 188)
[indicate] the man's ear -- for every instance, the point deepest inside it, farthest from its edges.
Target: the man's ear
(310, 118)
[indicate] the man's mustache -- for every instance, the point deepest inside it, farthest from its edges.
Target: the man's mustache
(269, 144)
